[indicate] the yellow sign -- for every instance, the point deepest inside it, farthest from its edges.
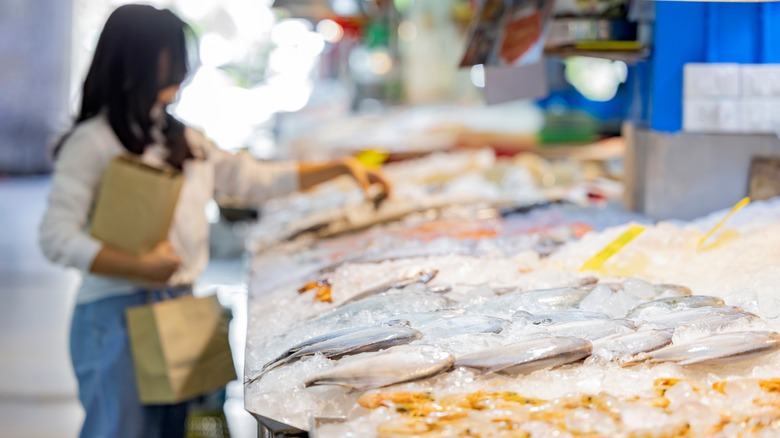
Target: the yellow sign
(613, 248)
(741, 204)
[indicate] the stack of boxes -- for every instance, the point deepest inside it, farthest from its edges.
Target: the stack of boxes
(732, 98)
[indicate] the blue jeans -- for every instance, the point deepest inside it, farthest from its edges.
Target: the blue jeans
(101, 356)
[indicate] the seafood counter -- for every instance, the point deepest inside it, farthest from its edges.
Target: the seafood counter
(486, 326)
(431, 184)
(476, 230)
(666, 339)
(457, 203)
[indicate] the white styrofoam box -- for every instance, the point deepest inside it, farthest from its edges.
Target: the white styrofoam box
(706, 115)
(758, 116)
(761, 80)
(685, 176)
(712, 80)
(774, 111)
(773, 107)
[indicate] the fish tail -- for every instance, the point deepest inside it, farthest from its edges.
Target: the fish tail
(635, 359)
(255, 378)
(266, 369)
(693, 361)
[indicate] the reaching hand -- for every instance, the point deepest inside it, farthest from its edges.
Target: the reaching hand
(365, 177)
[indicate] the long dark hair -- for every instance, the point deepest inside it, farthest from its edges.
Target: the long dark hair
(141, 51)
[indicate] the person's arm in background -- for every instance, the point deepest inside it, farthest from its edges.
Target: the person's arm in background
(242, 178)
(78, 171)
(156, 267)
(311, 174)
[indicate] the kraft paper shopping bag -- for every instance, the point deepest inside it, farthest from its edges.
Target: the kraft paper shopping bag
(135, 205)
(180, 349)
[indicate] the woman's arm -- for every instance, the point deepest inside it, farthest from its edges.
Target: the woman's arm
(157, 266)
(309, 175)
(77, 174)
(63, 239)
(245, 180)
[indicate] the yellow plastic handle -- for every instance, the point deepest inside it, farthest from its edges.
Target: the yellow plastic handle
(597, 261)
(372, 158)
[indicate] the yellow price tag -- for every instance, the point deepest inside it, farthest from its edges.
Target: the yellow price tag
(613, 248)
(740, 205)
(372, 158)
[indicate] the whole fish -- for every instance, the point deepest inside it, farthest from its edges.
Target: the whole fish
(616, 347)
(673, 319)
(422, 277)
(370, 339)
(503, 306)
(381, 307)
(557, 299)
(592, 329)
(354, 342)
(671, 290)
(369, 312)
(322, 338)
(463, 324)
(719, 349)
(419, 319)
(396, 365)
(714, 323)
(677, 303)
(527, 356)
(564, 316)
(659, 290)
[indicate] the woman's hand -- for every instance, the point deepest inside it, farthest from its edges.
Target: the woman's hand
(365, 177)
(311, 174)
(159, 265)
(155, 267)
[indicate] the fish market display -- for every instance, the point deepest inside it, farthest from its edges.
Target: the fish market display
(665, 339)
(333, 207)
(475, 230)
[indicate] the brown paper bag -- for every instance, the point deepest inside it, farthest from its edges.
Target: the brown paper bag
(135, 206)
(180, 349)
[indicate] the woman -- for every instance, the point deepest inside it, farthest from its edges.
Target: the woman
(139, 63)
